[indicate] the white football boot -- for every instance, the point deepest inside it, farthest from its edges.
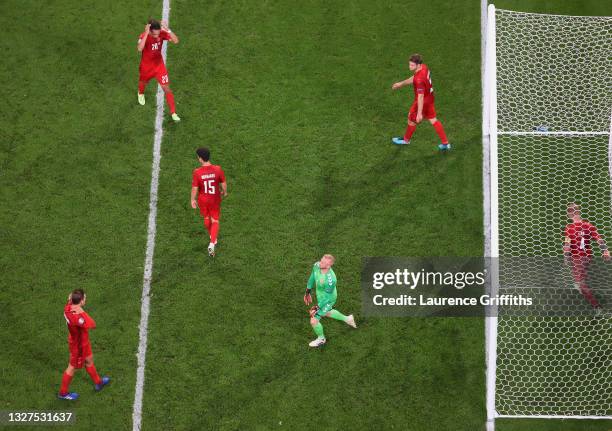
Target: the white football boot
(211, 250)
(141, 99)
(318, 342)
(350, 320)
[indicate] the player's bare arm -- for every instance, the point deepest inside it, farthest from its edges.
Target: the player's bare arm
(403, 83)
(143, 40)
(194, 194)
(224, 189)
(173, 37)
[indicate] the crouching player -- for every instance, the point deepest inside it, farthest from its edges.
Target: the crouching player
(324, 278)
(79, 323)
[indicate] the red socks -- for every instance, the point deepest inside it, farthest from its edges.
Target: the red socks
(214, 231)
(588, 295)
(440, 131)
(169, 96)
(170, 100)
(409, 131)
(93, 374)
(207, 225)
(66, 379)
(437, 126)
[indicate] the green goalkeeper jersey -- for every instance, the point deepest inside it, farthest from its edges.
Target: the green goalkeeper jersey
(325, 285)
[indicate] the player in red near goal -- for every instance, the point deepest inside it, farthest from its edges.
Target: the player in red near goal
(423, 104)
(578, 251)
(152, 63)
(208, 185)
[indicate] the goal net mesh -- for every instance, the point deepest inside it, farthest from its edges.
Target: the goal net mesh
(554, 99)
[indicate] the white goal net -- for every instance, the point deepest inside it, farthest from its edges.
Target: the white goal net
(547, 113)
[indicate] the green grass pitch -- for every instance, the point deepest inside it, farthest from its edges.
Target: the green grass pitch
(294, 100)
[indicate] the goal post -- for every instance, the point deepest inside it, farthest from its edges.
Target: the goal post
(547, 128)
(490, 133)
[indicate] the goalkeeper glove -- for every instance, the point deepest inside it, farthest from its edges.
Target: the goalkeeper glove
(313, 310)
(307, 298)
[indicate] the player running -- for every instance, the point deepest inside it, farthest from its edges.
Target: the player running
(152, 63)
(578, 252)
(79, 323)
(324, 278)
(423, 105)
(208, 184)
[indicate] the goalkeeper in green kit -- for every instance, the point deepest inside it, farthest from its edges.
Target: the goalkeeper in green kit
(324, 278)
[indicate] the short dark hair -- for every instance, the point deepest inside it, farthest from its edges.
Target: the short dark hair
(203, 153)
(77, 296)
(416, 58)
(155, 25)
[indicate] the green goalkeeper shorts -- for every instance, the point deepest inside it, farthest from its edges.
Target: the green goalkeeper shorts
(324, 308)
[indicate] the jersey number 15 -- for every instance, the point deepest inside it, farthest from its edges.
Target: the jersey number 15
(209, 187)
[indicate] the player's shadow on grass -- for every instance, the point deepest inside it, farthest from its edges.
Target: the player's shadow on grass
(356, 196)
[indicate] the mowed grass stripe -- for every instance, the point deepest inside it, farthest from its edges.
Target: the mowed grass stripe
(297, 108)
(75, 173)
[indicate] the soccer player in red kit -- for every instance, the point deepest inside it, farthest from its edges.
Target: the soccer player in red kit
(152, 63)
(423, 105)
(208, 185)
(79, 323)
(578, 252)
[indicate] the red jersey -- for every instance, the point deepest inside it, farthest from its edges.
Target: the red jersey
(208, 179)
(152, 52)
(421, 84)
(78, 327)
(580, 235)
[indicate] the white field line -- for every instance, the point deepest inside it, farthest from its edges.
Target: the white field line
(151, 230)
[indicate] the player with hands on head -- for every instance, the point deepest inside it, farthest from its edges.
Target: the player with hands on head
(150, 44)
(323, 279)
